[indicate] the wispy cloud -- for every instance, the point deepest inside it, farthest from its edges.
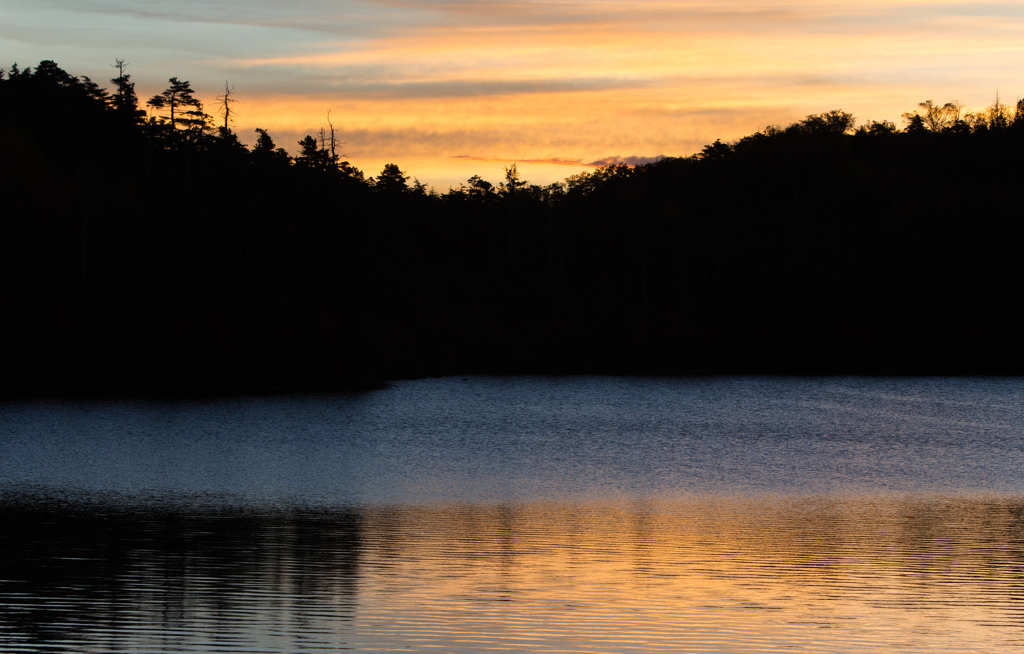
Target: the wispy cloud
(555, 161)
(560, 161)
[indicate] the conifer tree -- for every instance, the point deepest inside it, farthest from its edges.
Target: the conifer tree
(124, 101)
(183, 108)
(265, 150)
(49, 70)
(392, 180)
(312, 154)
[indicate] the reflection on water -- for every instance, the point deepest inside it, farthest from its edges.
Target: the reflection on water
(86, 576)
(519, 514)
(818, 575)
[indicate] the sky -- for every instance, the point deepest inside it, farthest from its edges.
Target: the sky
(448, 89)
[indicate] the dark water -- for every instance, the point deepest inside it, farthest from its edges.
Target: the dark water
(521, 514)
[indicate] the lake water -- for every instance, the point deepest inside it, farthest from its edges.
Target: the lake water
(521, 514)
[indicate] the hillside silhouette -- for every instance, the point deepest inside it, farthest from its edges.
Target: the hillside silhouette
(161, 255)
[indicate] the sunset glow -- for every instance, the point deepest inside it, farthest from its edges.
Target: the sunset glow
(452, 89)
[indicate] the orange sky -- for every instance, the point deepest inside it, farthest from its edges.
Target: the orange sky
(452, 89)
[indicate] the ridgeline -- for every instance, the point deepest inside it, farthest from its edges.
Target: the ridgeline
(162, 256)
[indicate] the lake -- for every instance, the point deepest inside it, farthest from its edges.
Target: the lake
(526, 514)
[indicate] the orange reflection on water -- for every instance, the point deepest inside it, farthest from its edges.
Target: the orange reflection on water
(873, 574)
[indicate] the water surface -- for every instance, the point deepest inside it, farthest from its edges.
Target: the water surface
(521, 514)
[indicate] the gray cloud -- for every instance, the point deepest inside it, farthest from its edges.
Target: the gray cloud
(364, 87)
(562, 161)
(629, 161)
(334, 17)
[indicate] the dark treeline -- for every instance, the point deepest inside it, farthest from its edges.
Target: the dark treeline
(161, 255)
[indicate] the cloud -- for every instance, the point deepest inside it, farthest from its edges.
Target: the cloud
(561, 161)
(328, 17)
(554, 161)
(629, 161)
(364, 84)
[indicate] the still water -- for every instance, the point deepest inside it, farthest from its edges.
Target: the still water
(521, 514)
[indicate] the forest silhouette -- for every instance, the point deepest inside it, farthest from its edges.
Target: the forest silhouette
(160, 255)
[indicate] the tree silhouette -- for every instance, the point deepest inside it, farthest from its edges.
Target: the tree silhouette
(715, 151)
(391, 180)
(183, 108)
(265, 151)
(480, 186)
(933, 117)
(512, 182)
(329, 142)
(799, 248)
(878, 128)
(49, 71)
(225, 101)
(124, 101)
(312, 155)
(835, 123)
